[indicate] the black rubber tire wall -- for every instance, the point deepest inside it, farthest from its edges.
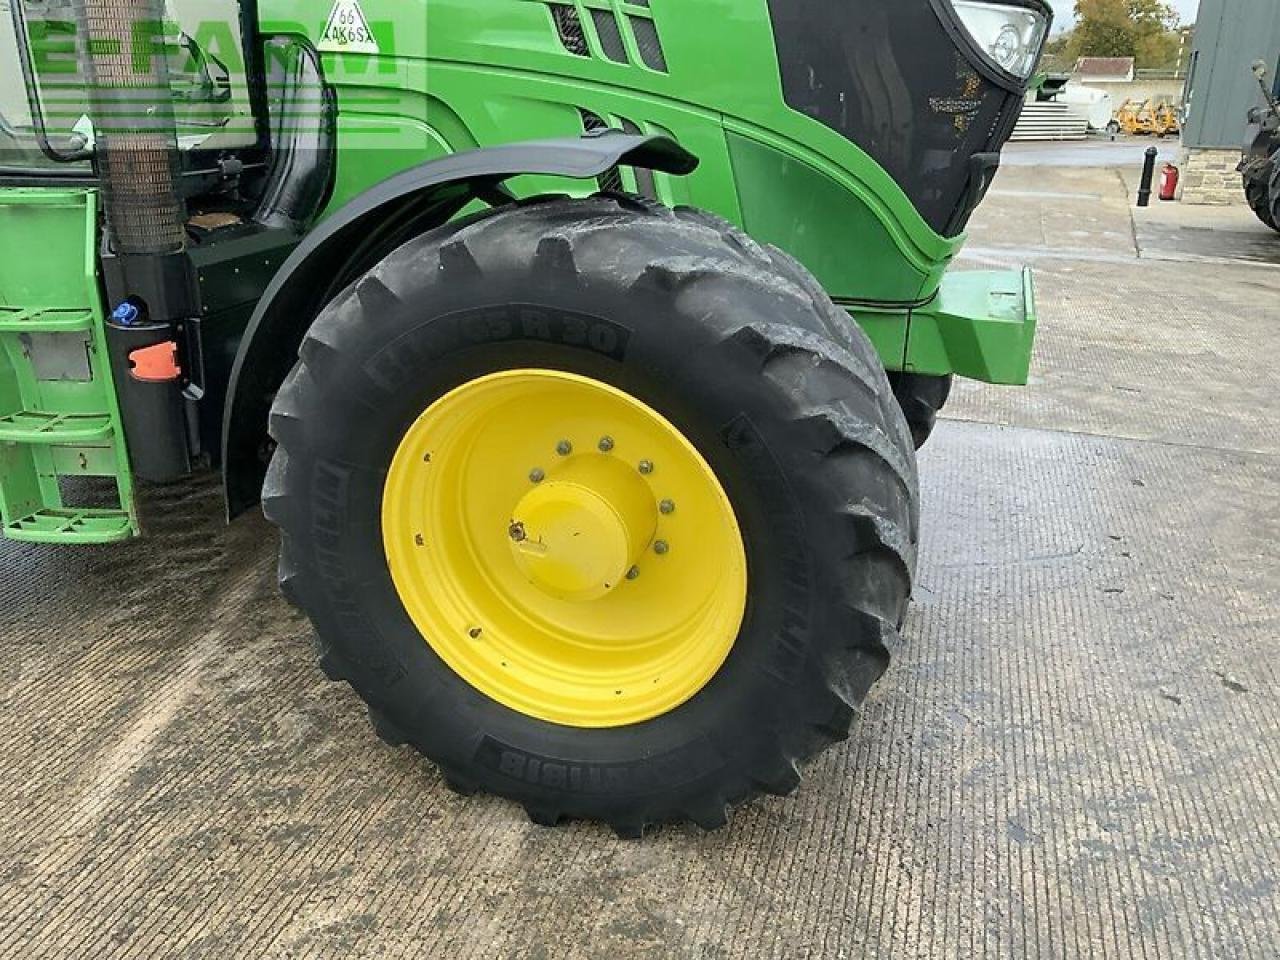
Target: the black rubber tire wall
(922, 398)
(724, 338)
(1273, 194)
(1258, 196)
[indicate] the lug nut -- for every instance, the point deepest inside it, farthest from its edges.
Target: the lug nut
(660, 547)
(633, 573)
(517, 532)
(537, 475)
(667, 506)
(646, 466)
(606, 444)
(564, 448)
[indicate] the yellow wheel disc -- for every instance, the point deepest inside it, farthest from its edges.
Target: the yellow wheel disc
(564, 549)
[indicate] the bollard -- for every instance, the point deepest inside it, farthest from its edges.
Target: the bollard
(1148, 174)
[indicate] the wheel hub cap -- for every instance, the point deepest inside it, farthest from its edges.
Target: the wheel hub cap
(576, 535)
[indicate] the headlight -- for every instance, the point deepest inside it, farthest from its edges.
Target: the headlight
(1013, 37)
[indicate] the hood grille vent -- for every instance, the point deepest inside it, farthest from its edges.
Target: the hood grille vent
(569, 26)
(647, 42)
(604, 34)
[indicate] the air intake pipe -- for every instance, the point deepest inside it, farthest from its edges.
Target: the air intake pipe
(131, 105)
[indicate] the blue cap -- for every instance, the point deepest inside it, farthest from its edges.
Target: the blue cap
(126, 315)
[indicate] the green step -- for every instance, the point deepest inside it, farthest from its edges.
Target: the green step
(16, 320)
(59, 418)
(72, 526)
(32, 426)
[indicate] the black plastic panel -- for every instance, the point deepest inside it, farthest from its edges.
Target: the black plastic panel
(893, 78)
(155, 411)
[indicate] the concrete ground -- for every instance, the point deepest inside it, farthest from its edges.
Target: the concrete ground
(1075, 753)
(1098, 151)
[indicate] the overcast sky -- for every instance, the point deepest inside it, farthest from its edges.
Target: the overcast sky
(1064, 10)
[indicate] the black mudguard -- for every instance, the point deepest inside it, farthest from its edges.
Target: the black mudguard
(359, 235)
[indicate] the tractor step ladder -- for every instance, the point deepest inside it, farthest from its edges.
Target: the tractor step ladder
(59, 418)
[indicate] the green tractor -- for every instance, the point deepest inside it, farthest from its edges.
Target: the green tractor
(580, 349)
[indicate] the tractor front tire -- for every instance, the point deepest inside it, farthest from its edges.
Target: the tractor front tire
(1258, 194)
(648, 379)
(922, 398)
(1272, 201)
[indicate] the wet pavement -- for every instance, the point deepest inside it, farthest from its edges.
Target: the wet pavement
(1098, 151)
(1073, 755)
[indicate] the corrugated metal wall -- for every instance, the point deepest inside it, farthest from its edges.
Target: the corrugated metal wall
(1230, 36)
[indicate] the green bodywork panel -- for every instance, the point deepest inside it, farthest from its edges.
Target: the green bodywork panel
(455, 75)
(981, 321)
(58, 412)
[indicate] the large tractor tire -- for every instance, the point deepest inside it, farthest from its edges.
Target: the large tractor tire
(586, 503)
(1257, 191)
(1262, 191)
(1273, 193)
(922, 398)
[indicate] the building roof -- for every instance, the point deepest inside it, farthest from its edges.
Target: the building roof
(1105, 68)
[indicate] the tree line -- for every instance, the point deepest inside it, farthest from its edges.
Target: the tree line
(1147, 30)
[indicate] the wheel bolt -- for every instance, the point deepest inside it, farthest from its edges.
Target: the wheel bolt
(564, 448)
(633, 573)
(660, 547)
(667, 506)
(537, 475)
(606, 444)
(646, 466)
(517, 532)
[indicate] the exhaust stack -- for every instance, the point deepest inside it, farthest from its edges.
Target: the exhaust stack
(131, 106)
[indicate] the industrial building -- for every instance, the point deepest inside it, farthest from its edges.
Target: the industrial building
(1230, 36)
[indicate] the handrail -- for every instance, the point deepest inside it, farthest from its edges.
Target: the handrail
(76, 152)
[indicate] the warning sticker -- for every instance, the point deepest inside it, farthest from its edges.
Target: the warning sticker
(347, 31)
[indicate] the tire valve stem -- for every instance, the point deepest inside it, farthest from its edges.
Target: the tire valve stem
(517, 532)
(661, 547)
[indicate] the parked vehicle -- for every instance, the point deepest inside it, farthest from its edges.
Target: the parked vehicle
(1157, 118)
(1260, 165)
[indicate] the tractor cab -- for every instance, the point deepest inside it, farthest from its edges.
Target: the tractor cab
(45, 100)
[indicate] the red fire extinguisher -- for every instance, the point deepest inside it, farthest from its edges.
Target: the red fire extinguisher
(1169, 182)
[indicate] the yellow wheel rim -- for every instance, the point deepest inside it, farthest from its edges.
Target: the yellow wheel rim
(564, 548)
